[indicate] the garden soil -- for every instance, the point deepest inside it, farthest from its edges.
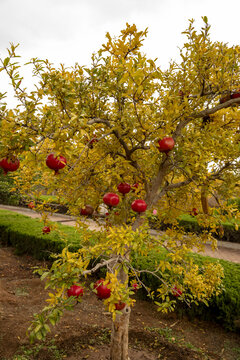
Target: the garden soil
(85, 332)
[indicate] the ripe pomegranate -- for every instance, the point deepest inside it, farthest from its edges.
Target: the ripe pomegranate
(31, 205)
(194, 212)
(111, 199)
(120, 306)
(56, 162)
(46, 230)
(124, 188)
(225, 98)
(176, 291)
(75, 290)
(92, 141)
(87, 210)
(166, 144)
(135, 287)
(235, 95)
(139, 206)
(9, 165)
(103, 292)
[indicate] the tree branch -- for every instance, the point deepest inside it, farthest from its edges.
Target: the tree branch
(100, 265)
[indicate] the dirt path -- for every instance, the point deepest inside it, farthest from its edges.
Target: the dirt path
(85, 332)
(226, 250)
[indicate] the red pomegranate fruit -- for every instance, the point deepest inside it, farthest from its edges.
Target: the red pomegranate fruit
(139, 206)
(166, 144)
(225, 98)
(87, 210)
(103, 292)
(75, 290)
(135, 287)
(176, 291)
(235, 95)
(56, 162)
(31, 205)
(120, 306)
(194, 212)
(9, 165)
(111, 199)
(124, 188)
(46, 230)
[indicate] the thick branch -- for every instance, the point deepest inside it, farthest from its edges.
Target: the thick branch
(100, 121)
(100, 265)
(201, 114)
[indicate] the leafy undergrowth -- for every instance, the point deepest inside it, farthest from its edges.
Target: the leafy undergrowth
(85, 332)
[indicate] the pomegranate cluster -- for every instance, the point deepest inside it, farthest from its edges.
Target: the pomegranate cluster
(112, 199)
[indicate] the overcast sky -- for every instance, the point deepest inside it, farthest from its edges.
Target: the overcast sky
(69, 31)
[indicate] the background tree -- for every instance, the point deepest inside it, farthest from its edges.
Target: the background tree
(107, 121)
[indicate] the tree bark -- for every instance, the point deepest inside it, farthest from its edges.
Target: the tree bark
(204, 200)
(119, 336)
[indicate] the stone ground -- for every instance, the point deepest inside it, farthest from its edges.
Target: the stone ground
(226, 250)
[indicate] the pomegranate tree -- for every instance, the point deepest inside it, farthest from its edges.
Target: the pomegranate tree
(131, 104)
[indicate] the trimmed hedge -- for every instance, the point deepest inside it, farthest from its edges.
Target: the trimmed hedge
(190, 224)
(224, 308)
(8, 197)
(25, 234)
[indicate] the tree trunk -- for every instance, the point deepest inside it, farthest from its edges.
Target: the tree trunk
(204, 200)
(119, 336)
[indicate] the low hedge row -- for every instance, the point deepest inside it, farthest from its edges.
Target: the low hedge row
(25, 234)
(7, 197)
(224, 308)
(190, 224)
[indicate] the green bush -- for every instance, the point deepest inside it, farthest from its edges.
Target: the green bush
(235, 201)
(224, 308)
(25, 234)
(190, 224)
(7, 196)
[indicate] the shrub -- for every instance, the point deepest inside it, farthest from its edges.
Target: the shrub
(190, 224)
(25, 234)
(7, 196)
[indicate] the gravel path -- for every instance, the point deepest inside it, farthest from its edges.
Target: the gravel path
(226, 250)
